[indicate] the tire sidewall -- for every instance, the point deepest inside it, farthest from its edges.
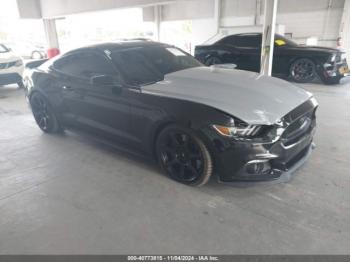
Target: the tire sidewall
(54, 126)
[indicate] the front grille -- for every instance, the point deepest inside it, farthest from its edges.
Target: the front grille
(11, 64)
(301, 121)
(3, 65)
(297, 158)
(7, 65)
(298, 129)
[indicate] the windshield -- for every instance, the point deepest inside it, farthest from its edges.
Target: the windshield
(282, 41)
(146, 65)
(3, 49)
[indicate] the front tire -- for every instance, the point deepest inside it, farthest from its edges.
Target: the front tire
(44, 114)
(302, 70)
(183, 156)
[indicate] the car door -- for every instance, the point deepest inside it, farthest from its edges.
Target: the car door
(72, 88)
(226, 50)
(250, 51)
(282, 57)
(101, 109)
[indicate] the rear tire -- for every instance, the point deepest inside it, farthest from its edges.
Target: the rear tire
(44, 114)
(183, 156)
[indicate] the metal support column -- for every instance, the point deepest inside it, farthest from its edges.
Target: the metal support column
(268, 37)
(217, 15)
(51, 37)
(157, 21)
(344, 31)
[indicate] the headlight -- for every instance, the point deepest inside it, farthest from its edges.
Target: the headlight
(238, 131)
(19, 63)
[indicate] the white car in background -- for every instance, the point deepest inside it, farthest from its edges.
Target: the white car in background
(11, 67)
(27, 50)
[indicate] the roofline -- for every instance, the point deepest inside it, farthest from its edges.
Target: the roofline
(122, 43)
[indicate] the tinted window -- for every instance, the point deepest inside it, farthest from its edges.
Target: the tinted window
(254, 41)
(144, 65)
(84, 65)
(249, 41)
(242, 40)
(3, 49)
(229, 40)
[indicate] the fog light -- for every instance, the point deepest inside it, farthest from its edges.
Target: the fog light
(257, 167)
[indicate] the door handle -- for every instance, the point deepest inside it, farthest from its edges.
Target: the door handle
(68, 88)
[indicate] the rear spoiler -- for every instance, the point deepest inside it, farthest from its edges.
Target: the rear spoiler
(34, 64)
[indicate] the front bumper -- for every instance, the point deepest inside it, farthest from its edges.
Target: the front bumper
(10, 78)
(337, 69)
(287, 149)
(10, 74)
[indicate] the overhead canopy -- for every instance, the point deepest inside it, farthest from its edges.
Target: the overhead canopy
(57, 8)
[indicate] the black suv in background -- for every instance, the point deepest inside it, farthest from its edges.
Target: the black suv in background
(298, 63)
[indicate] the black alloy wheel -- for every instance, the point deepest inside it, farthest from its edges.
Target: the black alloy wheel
(43, 114)
(303, 70)
(183, 156)
(213, 60)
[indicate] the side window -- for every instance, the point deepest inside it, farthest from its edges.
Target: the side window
(84, 65)
(249, 41)
(228, 40)
(135, 67)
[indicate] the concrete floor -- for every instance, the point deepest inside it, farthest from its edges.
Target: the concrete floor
(70, 195)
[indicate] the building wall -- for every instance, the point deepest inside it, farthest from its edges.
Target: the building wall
(302, 19)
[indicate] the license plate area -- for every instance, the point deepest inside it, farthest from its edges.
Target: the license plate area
(343, 70)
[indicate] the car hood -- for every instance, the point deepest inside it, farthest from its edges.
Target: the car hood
(253, 98)
(8, 57)
(319, 49)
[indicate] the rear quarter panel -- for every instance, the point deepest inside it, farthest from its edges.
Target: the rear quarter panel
(227, 54)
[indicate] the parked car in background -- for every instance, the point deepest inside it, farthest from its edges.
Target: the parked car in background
(28, 50)
(194, 120)
(298, 63)
(11, 67)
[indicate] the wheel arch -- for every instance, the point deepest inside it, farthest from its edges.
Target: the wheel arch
(317, 60)
(293, 59)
